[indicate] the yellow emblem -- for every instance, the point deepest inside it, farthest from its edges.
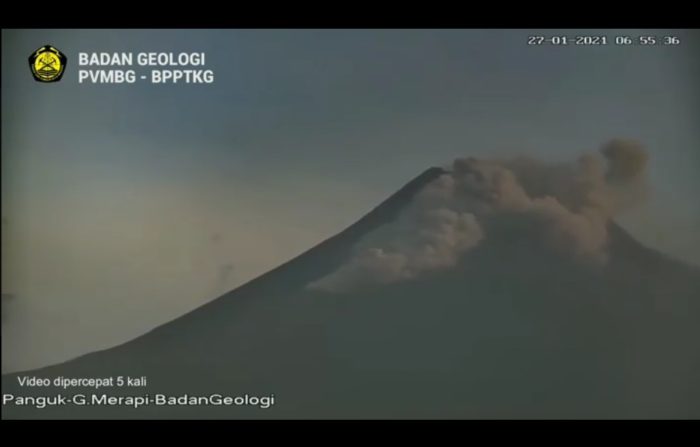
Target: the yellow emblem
(47, 64)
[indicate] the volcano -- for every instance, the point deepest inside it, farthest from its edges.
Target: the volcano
(511, 329)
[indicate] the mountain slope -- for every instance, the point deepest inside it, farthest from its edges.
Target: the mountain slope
(513, 330)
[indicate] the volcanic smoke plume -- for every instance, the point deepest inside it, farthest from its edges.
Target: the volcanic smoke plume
(566, 207)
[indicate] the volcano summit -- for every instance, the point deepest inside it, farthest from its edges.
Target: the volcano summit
(490, 289)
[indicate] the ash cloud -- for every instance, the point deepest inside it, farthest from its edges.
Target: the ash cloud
(565, 207)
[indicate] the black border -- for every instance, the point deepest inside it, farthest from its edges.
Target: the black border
(290, 432)
(523, 15)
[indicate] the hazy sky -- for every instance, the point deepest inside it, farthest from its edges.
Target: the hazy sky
(127, 205)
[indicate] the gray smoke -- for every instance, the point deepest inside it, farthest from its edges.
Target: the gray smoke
(565, 206)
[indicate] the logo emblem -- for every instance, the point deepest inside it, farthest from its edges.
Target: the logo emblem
(47, 64)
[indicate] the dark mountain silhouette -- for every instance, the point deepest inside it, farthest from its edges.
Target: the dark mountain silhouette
(513, 331)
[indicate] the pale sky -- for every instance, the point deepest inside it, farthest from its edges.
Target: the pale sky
(128, 205)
